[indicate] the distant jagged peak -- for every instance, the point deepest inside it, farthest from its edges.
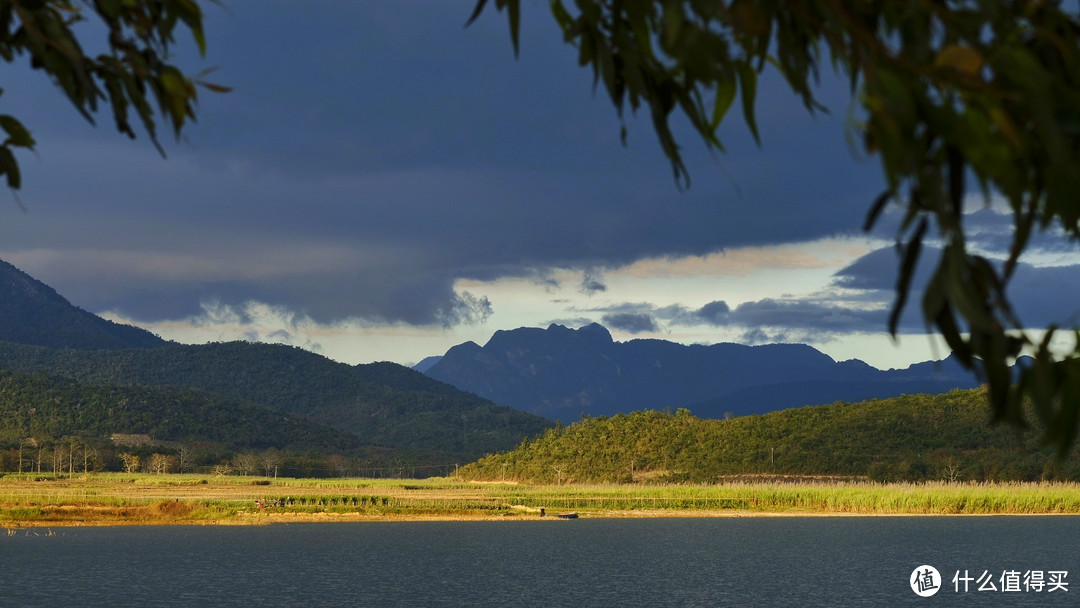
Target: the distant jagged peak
(597, 332)
(856, 364)
(588, 329)
(555, 335)
(465, 348)
(558, 371)
(801, 352)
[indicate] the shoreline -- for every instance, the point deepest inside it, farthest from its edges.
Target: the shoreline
(145, 499)
(286, 518)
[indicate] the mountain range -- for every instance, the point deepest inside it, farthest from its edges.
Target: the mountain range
(562, 373)
(472, 401)
(380, 408)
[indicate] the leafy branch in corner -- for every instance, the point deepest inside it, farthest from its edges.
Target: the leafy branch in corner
(943, 90)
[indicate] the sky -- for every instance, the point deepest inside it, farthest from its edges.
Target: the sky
(384, 183)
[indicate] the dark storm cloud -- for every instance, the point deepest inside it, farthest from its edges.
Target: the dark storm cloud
(760, 336)
(991, 233)
(807, 314)
(714, 313)
(634, 323)
(465, 309)
(592, 282)
(1041, 295)
(878, 270)
(811, 318)
(377, 152)
(815, 315)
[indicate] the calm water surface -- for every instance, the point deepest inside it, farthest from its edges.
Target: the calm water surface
(812, 561)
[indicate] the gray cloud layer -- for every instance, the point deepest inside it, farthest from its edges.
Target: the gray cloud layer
(372, 153)
(861, 300)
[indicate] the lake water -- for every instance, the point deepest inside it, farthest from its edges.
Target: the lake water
(789, 561)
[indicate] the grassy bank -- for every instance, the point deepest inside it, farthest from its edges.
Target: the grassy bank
(115, 499)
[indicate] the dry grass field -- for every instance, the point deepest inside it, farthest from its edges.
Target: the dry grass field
(144, 499)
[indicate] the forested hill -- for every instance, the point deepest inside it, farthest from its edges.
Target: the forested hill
(920, 437)
(31, 312)
(47, 409)
(382, 403)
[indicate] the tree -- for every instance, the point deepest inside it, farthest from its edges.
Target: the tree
(131, 462)
(270, 460)
(134, 70)
(58, 457)
(183, 457)
(27, 442)
(246, 463)
(162, 463)
(90, 458)
(337, 465)
(73, 444)
(944, 90)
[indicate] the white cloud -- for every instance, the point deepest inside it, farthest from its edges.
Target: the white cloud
(352, 341)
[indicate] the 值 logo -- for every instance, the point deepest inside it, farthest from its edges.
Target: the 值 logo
(925, 581)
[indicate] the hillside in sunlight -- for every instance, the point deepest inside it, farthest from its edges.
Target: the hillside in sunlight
(912, 437)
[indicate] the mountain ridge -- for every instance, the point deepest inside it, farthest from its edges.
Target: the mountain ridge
(34, 313)
(562, 373)
(385, 406)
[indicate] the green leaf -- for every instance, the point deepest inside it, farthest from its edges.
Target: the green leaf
(18, 135)
(725, 96)
(875, 210)
(10, 167)
(479, 8)
(907, 272)
(217, 88)
(748, 84)
(514, 14)
(176, 92)
(672, 22)
(963, 291)
(190, 13)
(562, 16)
(111, 9)
(963, 59)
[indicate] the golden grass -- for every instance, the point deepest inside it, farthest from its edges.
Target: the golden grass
(114, 499)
